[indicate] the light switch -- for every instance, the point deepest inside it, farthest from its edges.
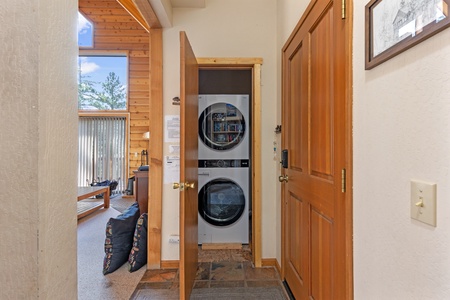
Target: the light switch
(423, 202)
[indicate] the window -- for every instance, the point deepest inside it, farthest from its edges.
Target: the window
(101, 150)
(102, 82)
(85, 32)
(102, 87)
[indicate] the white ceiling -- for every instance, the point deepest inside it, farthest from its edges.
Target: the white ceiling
(188, 3)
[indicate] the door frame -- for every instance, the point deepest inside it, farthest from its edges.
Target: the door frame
(348, 195)
(155, 152)
(254, 64)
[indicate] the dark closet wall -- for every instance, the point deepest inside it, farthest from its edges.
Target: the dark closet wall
(225, 82)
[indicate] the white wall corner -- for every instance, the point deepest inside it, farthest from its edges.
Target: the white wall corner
(163, 10)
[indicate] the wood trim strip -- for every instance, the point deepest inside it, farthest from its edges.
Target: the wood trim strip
(100, 52)
(271, 262)
(216, 246)
(103, 113)
(131, 8)
(170, 264)
(349, 153)
(155, 151)
(148, 13)
(256, 166)
(229, 61)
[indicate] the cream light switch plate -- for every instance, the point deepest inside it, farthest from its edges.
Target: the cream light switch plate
(423, 202)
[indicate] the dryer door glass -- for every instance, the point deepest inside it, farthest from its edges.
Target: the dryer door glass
(221, 126)
(221, 202)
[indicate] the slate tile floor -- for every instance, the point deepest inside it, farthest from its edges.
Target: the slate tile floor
(236, 271)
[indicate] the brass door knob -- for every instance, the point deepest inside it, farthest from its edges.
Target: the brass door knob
(283, 178)
(189, 185)
(183, 186)
(176, 185)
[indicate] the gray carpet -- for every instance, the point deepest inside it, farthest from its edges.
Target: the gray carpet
(120, 204)
(92, 284)
(249, 293)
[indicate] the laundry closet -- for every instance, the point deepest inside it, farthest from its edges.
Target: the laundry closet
(224, 156)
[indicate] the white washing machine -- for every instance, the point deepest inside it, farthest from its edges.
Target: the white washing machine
(223, 201)
(223, 127)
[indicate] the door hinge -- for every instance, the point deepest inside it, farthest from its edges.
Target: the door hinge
(343, 180)
(343, 9)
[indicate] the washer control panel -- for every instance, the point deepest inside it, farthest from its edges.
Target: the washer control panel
(224, 163)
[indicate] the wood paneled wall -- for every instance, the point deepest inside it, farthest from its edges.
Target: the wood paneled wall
(115, 29)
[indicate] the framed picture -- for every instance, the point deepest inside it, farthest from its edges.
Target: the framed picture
(393, 26)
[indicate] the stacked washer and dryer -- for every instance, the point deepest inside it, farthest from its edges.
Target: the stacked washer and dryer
(224, 169)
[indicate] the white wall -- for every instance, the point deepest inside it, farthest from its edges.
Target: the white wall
(401, 131)
(226, 28)
(38, 130)
(289, 13)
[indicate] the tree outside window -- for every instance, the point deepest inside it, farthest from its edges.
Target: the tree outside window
(102, 82)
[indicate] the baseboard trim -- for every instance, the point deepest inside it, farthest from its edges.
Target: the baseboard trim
(221, 246)
(271, 262)
(265, 262)
(170, 264)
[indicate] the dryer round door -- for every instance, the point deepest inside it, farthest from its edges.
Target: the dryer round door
(221, 202)
(221, 126)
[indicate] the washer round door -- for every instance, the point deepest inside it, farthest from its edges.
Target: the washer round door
(221, 202)
(221, 126)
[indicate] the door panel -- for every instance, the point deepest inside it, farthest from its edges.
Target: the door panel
(297, 252)
(321, 105)
(296, 136)
(321, 256)
(188, 167)
(314, 135)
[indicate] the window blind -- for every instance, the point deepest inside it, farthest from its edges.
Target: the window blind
(101, 154)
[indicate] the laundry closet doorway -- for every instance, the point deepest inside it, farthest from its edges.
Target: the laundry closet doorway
(241, 76)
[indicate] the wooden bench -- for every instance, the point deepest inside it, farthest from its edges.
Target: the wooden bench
(85, 192)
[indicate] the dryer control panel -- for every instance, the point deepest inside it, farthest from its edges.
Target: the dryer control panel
(223, 163)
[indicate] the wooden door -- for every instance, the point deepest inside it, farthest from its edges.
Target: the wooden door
(188, 167)
(315, 69)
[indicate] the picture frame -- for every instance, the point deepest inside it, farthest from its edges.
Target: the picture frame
(394, 26)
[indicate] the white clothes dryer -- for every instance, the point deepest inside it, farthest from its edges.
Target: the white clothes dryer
(223, 127)
(223, 201)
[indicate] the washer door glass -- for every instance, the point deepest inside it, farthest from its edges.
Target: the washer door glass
(221, 126)
(221, 202)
